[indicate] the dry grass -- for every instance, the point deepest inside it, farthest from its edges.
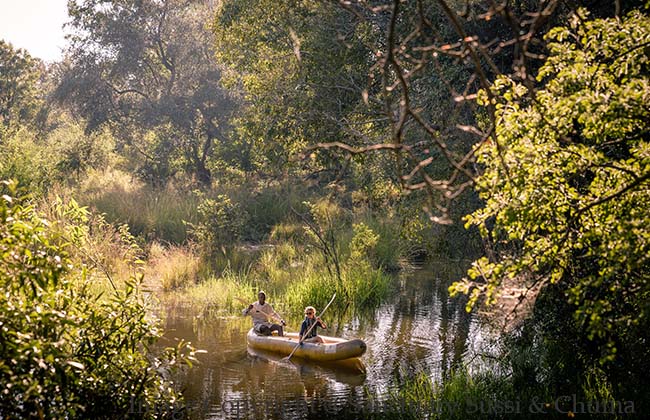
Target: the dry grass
(173, 267)
(154, 214)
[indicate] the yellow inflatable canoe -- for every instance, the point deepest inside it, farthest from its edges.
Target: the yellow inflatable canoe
(348, 371)
(332, 349)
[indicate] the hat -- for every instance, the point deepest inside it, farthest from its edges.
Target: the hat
(261, 292)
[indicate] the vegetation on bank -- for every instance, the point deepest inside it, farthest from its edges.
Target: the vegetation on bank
(68, 350)
(564, 184)
(302, 258)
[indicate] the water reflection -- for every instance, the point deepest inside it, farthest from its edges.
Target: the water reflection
(420, 329)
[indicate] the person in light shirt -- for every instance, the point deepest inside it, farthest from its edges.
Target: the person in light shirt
(261, 312)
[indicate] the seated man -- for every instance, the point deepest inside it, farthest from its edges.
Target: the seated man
(261, 311)
(311, 336)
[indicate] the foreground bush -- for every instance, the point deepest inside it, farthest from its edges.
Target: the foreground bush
(64, 351)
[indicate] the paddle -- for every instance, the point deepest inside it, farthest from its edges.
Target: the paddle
(286, 359)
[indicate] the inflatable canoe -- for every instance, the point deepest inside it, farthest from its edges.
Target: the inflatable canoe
(332, 349)
(348, 371)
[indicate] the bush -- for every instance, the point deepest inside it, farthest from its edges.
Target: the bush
(23, 159)
(65, 352)
(221, 222)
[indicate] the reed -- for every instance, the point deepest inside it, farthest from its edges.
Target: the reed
(360, 287)
(221, 295)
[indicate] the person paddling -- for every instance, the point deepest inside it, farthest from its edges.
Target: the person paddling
(261, 311)
(311, 319)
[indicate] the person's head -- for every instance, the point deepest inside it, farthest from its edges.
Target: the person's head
(310, 311)
(261, 296)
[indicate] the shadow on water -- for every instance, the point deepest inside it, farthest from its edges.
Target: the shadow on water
(418, 329)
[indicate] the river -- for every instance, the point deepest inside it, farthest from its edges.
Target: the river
(419, 329)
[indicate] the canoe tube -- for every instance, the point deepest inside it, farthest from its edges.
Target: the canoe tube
(348, 371)
(332, 349)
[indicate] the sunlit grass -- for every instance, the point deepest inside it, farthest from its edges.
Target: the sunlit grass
(358, 288)
(160, 214)
(173, 267)
(226, 294)
(288, 261)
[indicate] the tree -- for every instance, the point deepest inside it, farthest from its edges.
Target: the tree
(19, 76)
(565, 182)
(300, 68)
(139, 66)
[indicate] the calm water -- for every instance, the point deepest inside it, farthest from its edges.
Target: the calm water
(419, 329)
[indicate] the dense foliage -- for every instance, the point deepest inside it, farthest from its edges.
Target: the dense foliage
(19, 77)
(567, 183)
(292, 146)
(132, 67)
(300, 68)
(66, 352)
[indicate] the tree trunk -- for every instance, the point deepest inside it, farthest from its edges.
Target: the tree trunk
(202, 173)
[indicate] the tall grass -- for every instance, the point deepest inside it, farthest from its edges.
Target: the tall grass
(295, 276)
(359, 287)
(494, 394)
(460, 396)
(284, 256)
(298, 273)
(160, 214)
(313, 289)
(225, 294)
(231, 258)
(173, 267)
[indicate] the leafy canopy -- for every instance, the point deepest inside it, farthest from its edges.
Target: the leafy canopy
(299, 67)
(147, 67)
(566, 187)
(19, 76)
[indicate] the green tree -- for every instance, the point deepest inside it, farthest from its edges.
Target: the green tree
(76, 151)
(300, 68)
(148, 65)
(566, 183)
(19, 77)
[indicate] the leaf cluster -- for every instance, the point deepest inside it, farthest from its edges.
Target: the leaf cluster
(566, 184)
(66, 352)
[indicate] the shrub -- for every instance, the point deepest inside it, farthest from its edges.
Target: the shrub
(23, 159)
(221, 222)
(66, 352)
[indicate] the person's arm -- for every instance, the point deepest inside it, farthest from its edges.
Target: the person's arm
(321, 323)
(247, 310)
(303, 330)
(276, 315)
